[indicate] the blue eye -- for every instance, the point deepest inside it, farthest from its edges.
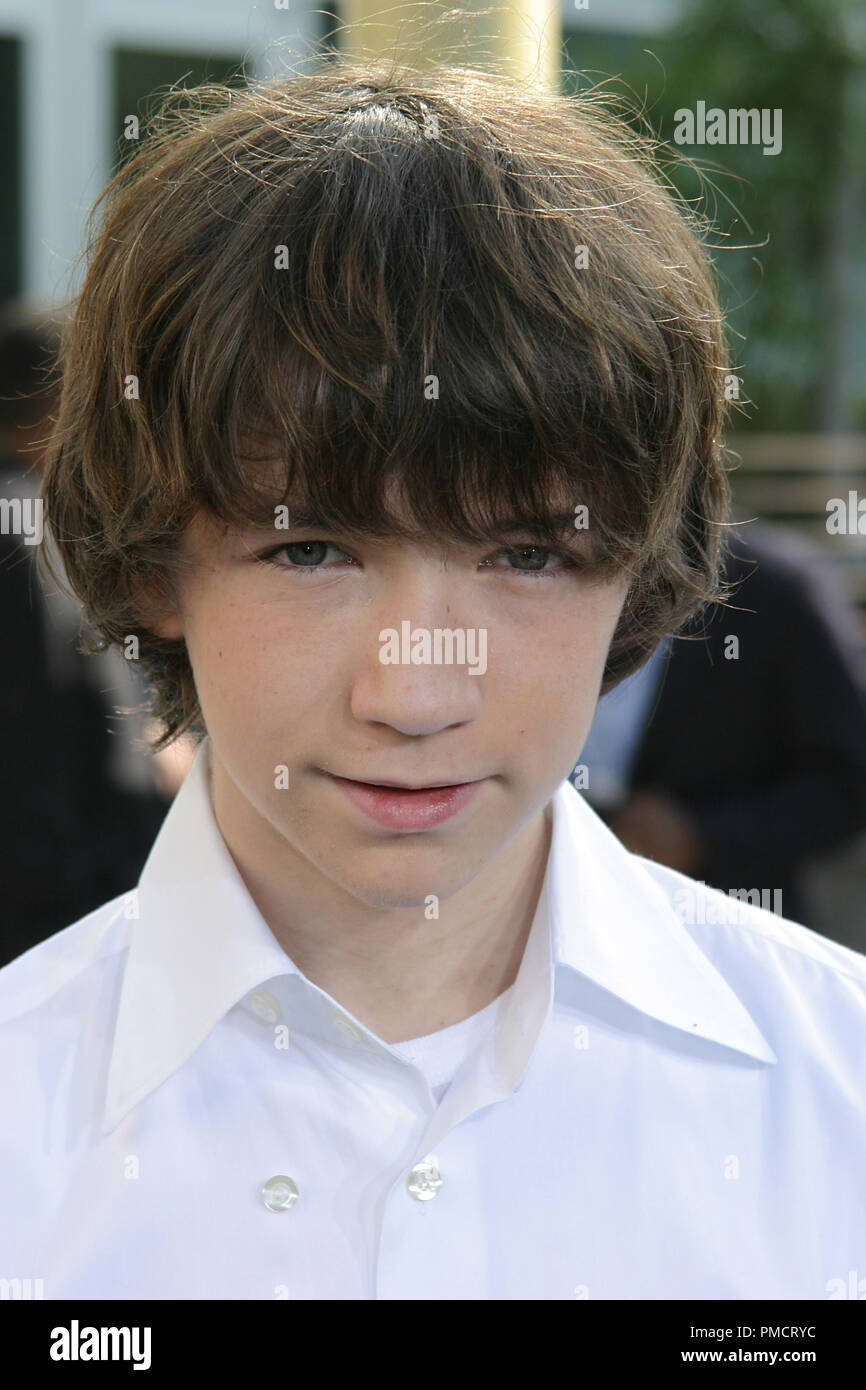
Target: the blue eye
(534, 558)
(309, 557)
(303, 555)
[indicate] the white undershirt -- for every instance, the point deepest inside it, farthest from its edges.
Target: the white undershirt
(440, 1055)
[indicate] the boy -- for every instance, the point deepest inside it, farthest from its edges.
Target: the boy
(390, 437)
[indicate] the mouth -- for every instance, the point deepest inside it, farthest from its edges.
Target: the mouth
(403, 786)
(403, 806)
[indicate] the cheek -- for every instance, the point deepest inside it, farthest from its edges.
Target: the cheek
(257, 664)
(231, 652)
(560, 664)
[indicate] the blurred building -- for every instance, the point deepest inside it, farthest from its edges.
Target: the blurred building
(73, 70)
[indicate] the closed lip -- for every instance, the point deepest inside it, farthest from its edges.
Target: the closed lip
(406, 786)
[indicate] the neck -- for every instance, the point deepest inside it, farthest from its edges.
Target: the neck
(399, 973)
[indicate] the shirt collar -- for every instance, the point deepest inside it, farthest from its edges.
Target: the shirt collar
(198, 945)
(613, 922)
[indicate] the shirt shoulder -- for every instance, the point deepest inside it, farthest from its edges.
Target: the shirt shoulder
(66, 960)
(699, 905)
(785, 973)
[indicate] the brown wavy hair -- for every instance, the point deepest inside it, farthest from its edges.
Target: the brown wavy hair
(283, 267)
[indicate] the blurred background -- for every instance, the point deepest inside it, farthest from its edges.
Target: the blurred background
(738, 755)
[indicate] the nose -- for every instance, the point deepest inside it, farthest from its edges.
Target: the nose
(415, 675)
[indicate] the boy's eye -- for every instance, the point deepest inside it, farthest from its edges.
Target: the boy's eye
(522, 559)
(307, 554)
(531, 559)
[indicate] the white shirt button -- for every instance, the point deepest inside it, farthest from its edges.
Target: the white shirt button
(279, 1193)
(264, 1006)
(423, 1181)
(349, 1030)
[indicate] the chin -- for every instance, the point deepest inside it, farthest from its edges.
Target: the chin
(393, 890)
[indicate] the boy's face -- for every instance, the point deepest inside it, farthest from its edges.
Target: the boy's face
(286, 660)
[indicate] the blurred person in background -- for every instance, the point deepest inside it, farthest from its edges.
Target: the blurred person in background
(81, 802)
(740, 769)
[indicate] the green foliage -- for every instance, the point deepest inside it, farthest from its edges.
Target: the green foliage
(775, 216)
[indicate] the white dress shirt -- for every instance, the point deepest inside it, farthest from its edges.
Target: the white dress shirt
(669, 1102)
(439, 1055)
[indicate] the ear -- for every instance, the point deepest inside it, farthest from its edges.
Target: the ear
(168, 625)
(159, 612)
